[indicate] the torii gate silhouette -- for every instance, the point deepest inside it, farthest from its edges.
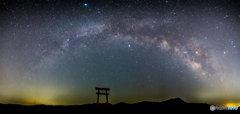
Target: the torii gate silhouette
(102, 93)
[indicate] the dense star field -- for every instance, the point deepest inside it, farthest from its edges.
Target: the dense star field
(57, 52)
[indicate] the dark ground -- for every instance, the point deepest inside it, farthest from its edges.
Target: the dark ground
(172, 105)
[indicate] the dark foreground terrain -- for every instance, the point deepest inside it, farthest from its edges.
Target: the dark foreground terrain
(172, 105)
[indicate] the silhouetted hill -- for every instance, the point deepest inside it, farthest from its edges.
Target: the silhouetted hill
(172, 105)
(174, 101)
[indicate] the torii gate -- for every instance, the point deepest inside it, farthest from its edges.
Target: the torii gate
(102, 93)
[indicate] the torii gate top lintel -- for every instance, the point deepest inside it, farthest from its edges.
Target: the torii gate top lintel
(99, 88)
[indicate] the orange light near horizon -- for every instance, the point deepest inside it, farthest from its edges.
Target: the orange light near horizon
(232, 104)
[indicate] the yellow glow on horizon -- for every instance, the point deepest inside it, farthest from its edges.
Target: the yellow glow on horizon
(232, 104)
(30, 95)
(44, 95)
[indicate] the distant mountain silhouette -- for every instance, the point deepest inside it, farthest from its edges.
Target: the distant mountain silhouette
(171, 105)
(174, 101)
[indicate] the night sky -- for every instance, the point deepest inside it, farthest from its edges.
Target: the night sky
(56, 52)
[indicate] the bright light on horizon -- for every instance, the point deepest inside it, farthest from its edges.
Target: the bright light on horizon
(232, 104)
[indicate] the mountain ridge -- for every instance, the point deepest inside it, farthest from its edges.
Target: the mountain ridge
(170, 105)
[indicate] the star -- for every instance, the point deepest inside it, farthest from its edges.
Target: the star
(129, 45)
(85, 4)
(196, 52)
(224, 52)
(68, 39)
